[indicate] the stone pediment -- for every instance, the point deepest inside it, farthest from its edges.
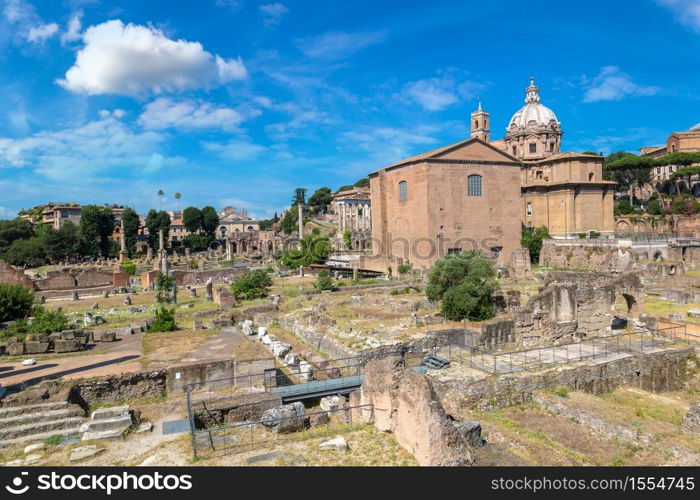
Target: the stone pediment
(474, 149)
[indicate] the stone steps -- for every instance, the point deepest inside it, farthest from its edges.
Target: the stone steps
(18, 431)
(40, 437)
(107, 423)
(10, 411)
(51, 415)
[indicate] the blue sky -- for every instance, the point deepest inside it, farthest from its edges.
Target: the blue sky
(239, 102)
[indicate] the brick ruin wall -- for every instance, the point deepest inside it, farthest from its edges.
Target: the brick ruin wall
(570, 304)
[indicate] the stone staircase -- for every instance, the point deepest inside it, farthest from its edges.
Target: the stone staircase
(107, 423)
(32, 423)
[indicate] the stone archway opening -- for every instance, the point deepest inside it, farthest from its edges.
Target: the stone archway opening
(624, 309)
(658, 256)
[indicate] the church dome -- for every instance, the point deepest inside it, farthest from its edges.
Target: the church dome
(533, 111)
(695, 128)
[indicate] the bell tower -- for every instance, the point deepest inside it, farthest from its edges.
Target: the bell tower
(481, 126)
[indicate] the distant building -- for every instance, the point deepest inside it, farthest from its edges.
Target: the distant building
(352, 209)
(688, 142)
(479, 194)
(233, 221)
(54, 214)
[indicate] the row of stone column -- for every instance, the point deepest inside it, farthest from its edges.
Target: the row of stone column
(355, 216)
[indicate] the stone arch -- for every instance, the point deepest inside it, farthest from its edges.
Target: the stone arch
(658, 256)
(234, 247)
(625, 306)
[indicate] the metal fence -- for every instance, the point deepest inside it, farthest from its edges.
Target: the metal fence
(238, 437)
(589, 348)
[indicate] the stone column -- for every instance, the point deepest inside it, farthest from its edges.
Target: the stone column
(122, 242)
(341, 215)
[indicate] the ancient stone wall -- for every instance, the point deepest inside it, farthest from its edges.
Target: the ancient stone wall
(593, 255)
(9, 274)
(405, 403)
(115, 389)
(661, 371)
(520, 264)
(498, 334)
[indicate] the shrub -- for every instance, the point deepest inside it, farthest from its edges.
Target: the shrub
(532, 240)
(312, 250)
(252, 285)
(43, 321)
(594, 234)
(654, 208)
(129, 267)
(164, 287)
(16, 302)
(164, 320)
(405, 268)
(324, 281)
(582, 235)
(624, 207)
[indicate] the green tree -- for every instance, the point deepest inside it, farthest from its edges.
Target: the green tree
(324, 281)
(96, 228)
(320, 200)
(465, 283)
(155, 221)
(62, 244)
(362, 183)
(16, 302)
(26, 253)
(198, 242)
(210, 220)
(313, 249)
(161, 193)
(192, 219)
(347, 238)
(130, 228)
(252, 285)
(532, 240)
(12, 230)
(299, 196)
(289, 222)
(177, 197)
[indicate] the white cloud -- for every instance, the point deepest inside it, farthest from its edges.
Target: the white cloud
(17, 10)
(338, 44)
(273, 13)
(134, 60)
(165, 112)
(235, 149)
(304, 120)
(7, 213)
(72, 33)
(230, 4)
(687, 11)
(436, 94)
(611, 84)
(42, 32)
(76, 153)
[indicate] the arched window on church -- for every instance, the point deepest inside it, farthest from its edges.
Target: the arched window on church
(474, 185)
(476, 124)
(403, 191)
